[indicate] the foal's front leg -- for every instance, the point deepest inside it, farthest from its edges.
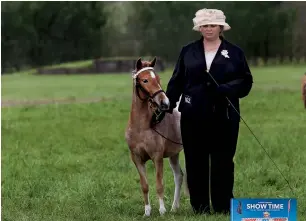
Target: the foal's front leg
(140, 165)
(159, 166)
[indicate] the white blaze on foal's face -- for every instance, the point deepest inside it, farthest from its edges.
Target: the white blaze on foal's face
(152, 74)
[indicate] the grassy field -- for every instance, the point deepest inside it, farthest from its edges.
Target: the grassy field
(70, 161)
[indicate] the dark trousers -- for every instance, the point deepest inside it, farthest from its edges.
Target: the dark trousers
(209, 148)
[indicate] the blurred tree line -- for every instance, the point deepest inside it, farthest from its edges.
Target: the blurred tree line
(44, 33)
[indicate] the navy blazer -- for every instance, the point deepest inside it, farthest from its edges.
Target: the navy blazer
(200, 94)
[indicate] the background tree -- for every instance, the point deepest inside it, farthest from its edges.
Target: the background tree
(44, 33)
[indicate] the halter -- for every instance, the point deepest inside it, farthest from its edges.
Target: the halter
(141, 70)
(138, 85)
(150, 98)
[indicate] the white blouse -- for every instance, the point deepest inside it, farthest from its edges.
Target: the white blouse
(209, 58)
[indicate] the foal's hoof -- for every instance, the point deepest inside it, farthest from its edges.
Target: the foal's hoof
(147, 210)
(162, 210)
(174, 209)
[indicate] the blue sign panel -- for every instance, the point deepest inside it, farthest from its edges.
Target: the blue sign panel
(263, 209)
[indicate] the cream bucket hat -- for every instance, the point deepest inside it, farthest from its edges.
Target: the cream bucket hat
(209, 17)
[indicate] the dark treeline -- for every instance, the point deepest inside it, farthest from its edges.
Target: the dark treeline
(44, 33)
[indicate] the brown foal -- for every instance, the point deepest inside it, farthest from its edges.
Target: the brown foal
(144, 143)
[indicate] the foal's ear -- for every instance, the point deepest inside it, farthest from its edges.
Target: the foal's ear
(153, 62)
(138, 64)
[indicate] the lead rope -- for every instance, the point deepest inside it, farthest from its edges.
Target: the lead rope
(254, 136)
(166, 137)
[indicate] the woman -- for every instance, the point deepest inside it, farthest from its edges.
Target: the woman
(209, 124)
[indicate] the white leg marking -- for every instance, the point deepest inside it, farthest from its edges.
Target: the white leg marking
(178, 180)
(162, 208)
(147, 210)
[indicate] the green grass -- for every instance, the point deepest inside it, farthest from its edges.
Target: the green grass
(70, 162)
(30, 87)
